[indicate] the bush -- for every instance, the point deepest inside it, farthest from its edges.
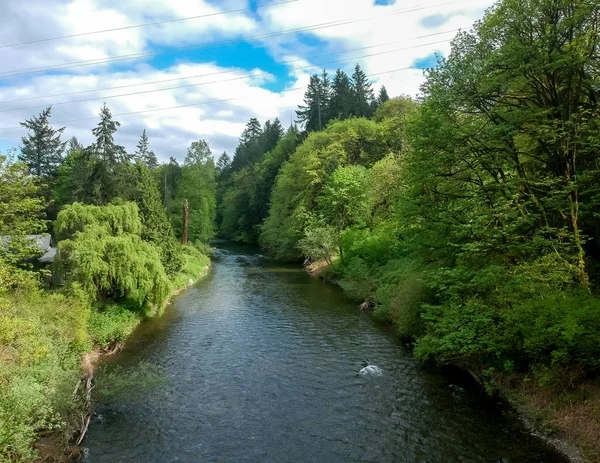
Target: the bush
(111, 324)
(42, 338)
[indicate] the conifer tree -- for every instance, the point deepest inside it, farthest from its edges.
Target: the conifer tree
(362, 92)
(341, 101)
(272, 133)
(248, 150)
(104, 182)
(223, 163)
(105, 147)
(314, 112)
(74, 145)
(383, 95)
(144, 154)
(42, 147)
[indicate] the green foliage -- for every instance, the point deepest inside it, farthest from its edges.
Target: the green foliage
(42, 337)
(319, 243)
(197, 184)
(156, 226)
(21, 214)
(118, 218)
(144, 154)
(196, 264)
(304, 179)
(244, 193)
(105, 253)
(112, 323)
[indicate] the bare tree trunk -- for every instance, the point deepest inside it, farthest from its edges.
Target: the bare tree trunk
(184, 235)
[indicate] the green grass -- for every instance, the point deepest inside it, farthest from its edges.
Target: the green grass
(195, 266)
(43, 337)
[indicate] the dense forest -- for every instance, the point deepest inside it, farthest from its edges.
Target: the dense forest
(467, 217)
(115, 221)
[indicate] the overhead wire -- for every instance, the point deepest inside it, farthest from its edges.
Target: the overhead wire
(194, 104)
(156, 23)
(247, 77)
(41, 69)
(230, 71)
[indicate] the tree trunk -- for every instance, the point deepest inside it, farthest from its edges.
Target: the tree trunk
(184, 235)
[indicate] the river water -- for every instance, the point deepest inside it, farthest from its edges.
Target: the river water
(263, 365)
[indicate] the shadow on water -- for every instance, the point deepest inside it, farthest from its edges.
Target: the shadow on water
(263, 364)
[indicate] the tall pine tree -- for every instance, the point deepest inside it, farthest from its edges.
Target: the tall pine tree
(42, 147)
(105, 182)
(144, 154)
(314, 114)
(74, 145)
(383, 95)
(341, 101)
(248, 150)
(362, 92)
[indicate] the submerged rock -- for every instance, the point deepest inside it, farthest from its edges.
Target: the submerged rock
(372, 370)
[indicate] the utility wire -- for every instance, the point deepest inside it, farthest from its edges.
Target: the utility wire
(156, 23)
(18, 100)
(35, 70)
(294, 89)
(220, 81)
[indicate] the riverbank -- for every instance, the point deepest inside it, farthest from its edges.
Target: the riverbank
(565, 416)
(48, 345)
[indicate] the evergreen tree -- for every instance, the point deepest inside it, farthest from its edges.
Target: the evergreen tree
(272, 133)
(313, 114)
(248, 150)
(251, 132)
(74, 145)
(104, 182)
(156, 226)
(144, 154)
(362, 92)
(105, 147)
(341, 101)
(223, 163)
(42, 148)
(383, 95)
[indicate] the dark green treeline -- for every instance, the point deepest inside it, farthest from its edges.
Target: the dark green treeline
(470, 217)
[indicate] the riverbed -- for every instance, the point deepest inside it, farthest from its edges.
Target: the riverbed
(263, 364)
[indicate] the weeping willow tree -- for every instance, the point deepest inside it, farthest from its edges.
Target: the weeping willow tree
(103, 251)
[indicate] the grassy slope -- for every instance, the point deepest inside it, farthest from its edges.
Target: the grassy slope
(42, 339)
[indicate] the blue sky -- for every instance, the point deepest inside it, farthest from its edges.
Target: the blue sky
(260, 77)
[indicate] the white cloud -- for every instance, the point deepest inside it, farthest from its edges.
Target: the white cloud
(220, 123)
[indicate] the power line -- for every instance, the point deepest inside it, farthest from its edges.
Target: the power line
(218, 81)
(41, 69)
(17, 100)
(294, 89)
(49, 39)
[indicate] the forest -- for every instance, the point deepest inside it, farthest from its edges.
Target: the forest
(468, 217)
(115, 222)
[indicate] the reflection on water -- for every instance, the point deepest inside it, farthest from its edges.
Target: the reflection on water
(264, 365)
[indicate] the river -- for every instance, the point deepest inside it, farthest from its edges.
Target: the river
(263, 365)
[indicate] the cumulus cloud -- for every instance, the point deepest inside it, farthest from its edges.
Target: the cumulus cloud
(213, 100)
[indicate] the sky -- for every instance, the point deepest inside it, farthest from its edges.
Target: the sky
(207, 66)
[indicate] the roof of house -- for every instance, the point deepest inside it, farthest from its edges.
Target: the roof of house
(42, 242)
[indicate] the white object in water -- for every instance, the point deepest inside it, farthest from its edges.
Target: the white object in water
(371, 370)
